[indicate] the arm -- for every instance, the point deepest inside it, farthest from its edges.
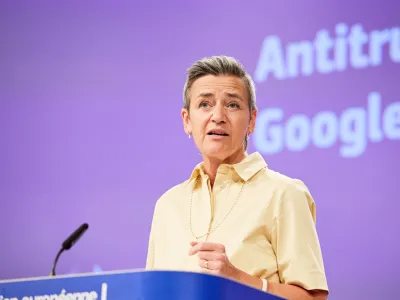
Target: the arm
(286, 291)
(151, 241)
(150, 253)
(294, 292)
(296, 244)
(217, 263)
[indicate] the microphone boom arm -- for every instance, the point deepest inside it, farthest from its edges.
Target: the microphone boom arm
(68, 243)
(53, 269)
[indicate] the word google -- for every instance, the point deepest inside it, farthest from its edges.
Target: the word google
(353, 127)
(326, 54)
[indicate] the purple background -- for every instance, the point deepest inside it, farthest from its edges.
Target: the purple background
(90, 127)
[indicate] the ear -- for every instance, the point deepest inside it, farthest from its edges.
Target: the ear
(252, 123)
(186, 121)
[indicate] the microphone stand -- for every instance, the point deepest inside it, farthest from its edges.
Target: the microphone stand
(53, 269)
(68, 243)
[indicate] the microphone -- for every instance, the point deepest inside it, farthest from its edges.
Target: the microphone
(68, 243)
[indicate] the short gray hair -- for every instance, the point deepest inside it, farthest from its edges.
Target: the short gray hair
(219, 65)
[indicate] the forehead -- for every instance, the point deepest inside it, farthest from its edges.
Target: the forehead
(219, 84)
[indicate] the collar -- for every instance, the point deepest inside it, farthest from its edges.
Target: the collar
(246, 169)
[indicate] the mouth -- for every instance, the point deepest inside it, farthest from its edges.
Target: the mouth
(218, 132)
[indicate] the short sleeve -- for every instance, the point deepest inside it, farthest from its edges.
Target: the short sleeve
(150, 252)
(152, 240)
(295, 239)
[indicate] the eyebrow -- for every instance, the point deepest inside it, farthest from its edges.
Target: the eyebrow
(234, 95)
(231, 95)
(205, 95)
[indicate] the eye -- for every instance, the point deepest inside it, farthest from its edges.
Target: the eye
(233, 105)
(204, 104)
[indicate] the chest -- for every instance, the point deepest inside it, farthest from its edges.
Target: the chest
(233, 216)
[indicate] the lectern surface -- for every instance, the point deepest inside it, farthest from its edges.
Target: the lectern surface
(132, 285)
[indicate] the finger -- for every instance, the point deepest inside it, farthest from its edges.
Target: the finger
(203, 263)
(210, 265)
(207, 247)
(192, 244)
(211, 255)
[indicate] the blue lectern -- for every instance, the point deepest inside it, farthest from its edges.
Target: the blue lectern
(130, 285)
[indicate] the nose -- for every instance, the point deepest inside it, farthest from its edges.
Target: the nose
(218, 114)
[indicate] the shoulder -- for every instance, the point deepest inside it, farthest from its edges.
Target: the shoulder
(172, 195)
(282, 183)
(289, 193)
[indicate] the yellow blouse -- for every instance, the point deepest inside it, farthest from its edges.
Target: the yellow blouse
(266, 221)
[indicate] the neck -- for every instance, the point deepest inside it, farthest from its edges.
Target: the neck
(211, 164)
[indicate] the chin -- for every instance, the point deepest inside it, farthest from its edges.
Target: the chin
(217, 152)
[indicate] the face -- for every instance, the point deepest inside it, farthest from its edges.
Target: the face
(219, 116)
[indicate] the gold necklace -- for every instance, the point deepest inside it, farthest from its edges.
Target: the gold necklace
(215, 228)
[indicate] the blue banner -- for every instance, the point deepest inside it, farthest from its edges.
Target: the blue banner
(143, 285)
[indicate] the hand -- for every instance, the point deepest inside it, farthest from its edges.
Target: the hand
(213, 259)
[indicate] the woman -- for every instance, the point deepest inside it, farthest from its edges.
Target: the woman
(235, 217)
